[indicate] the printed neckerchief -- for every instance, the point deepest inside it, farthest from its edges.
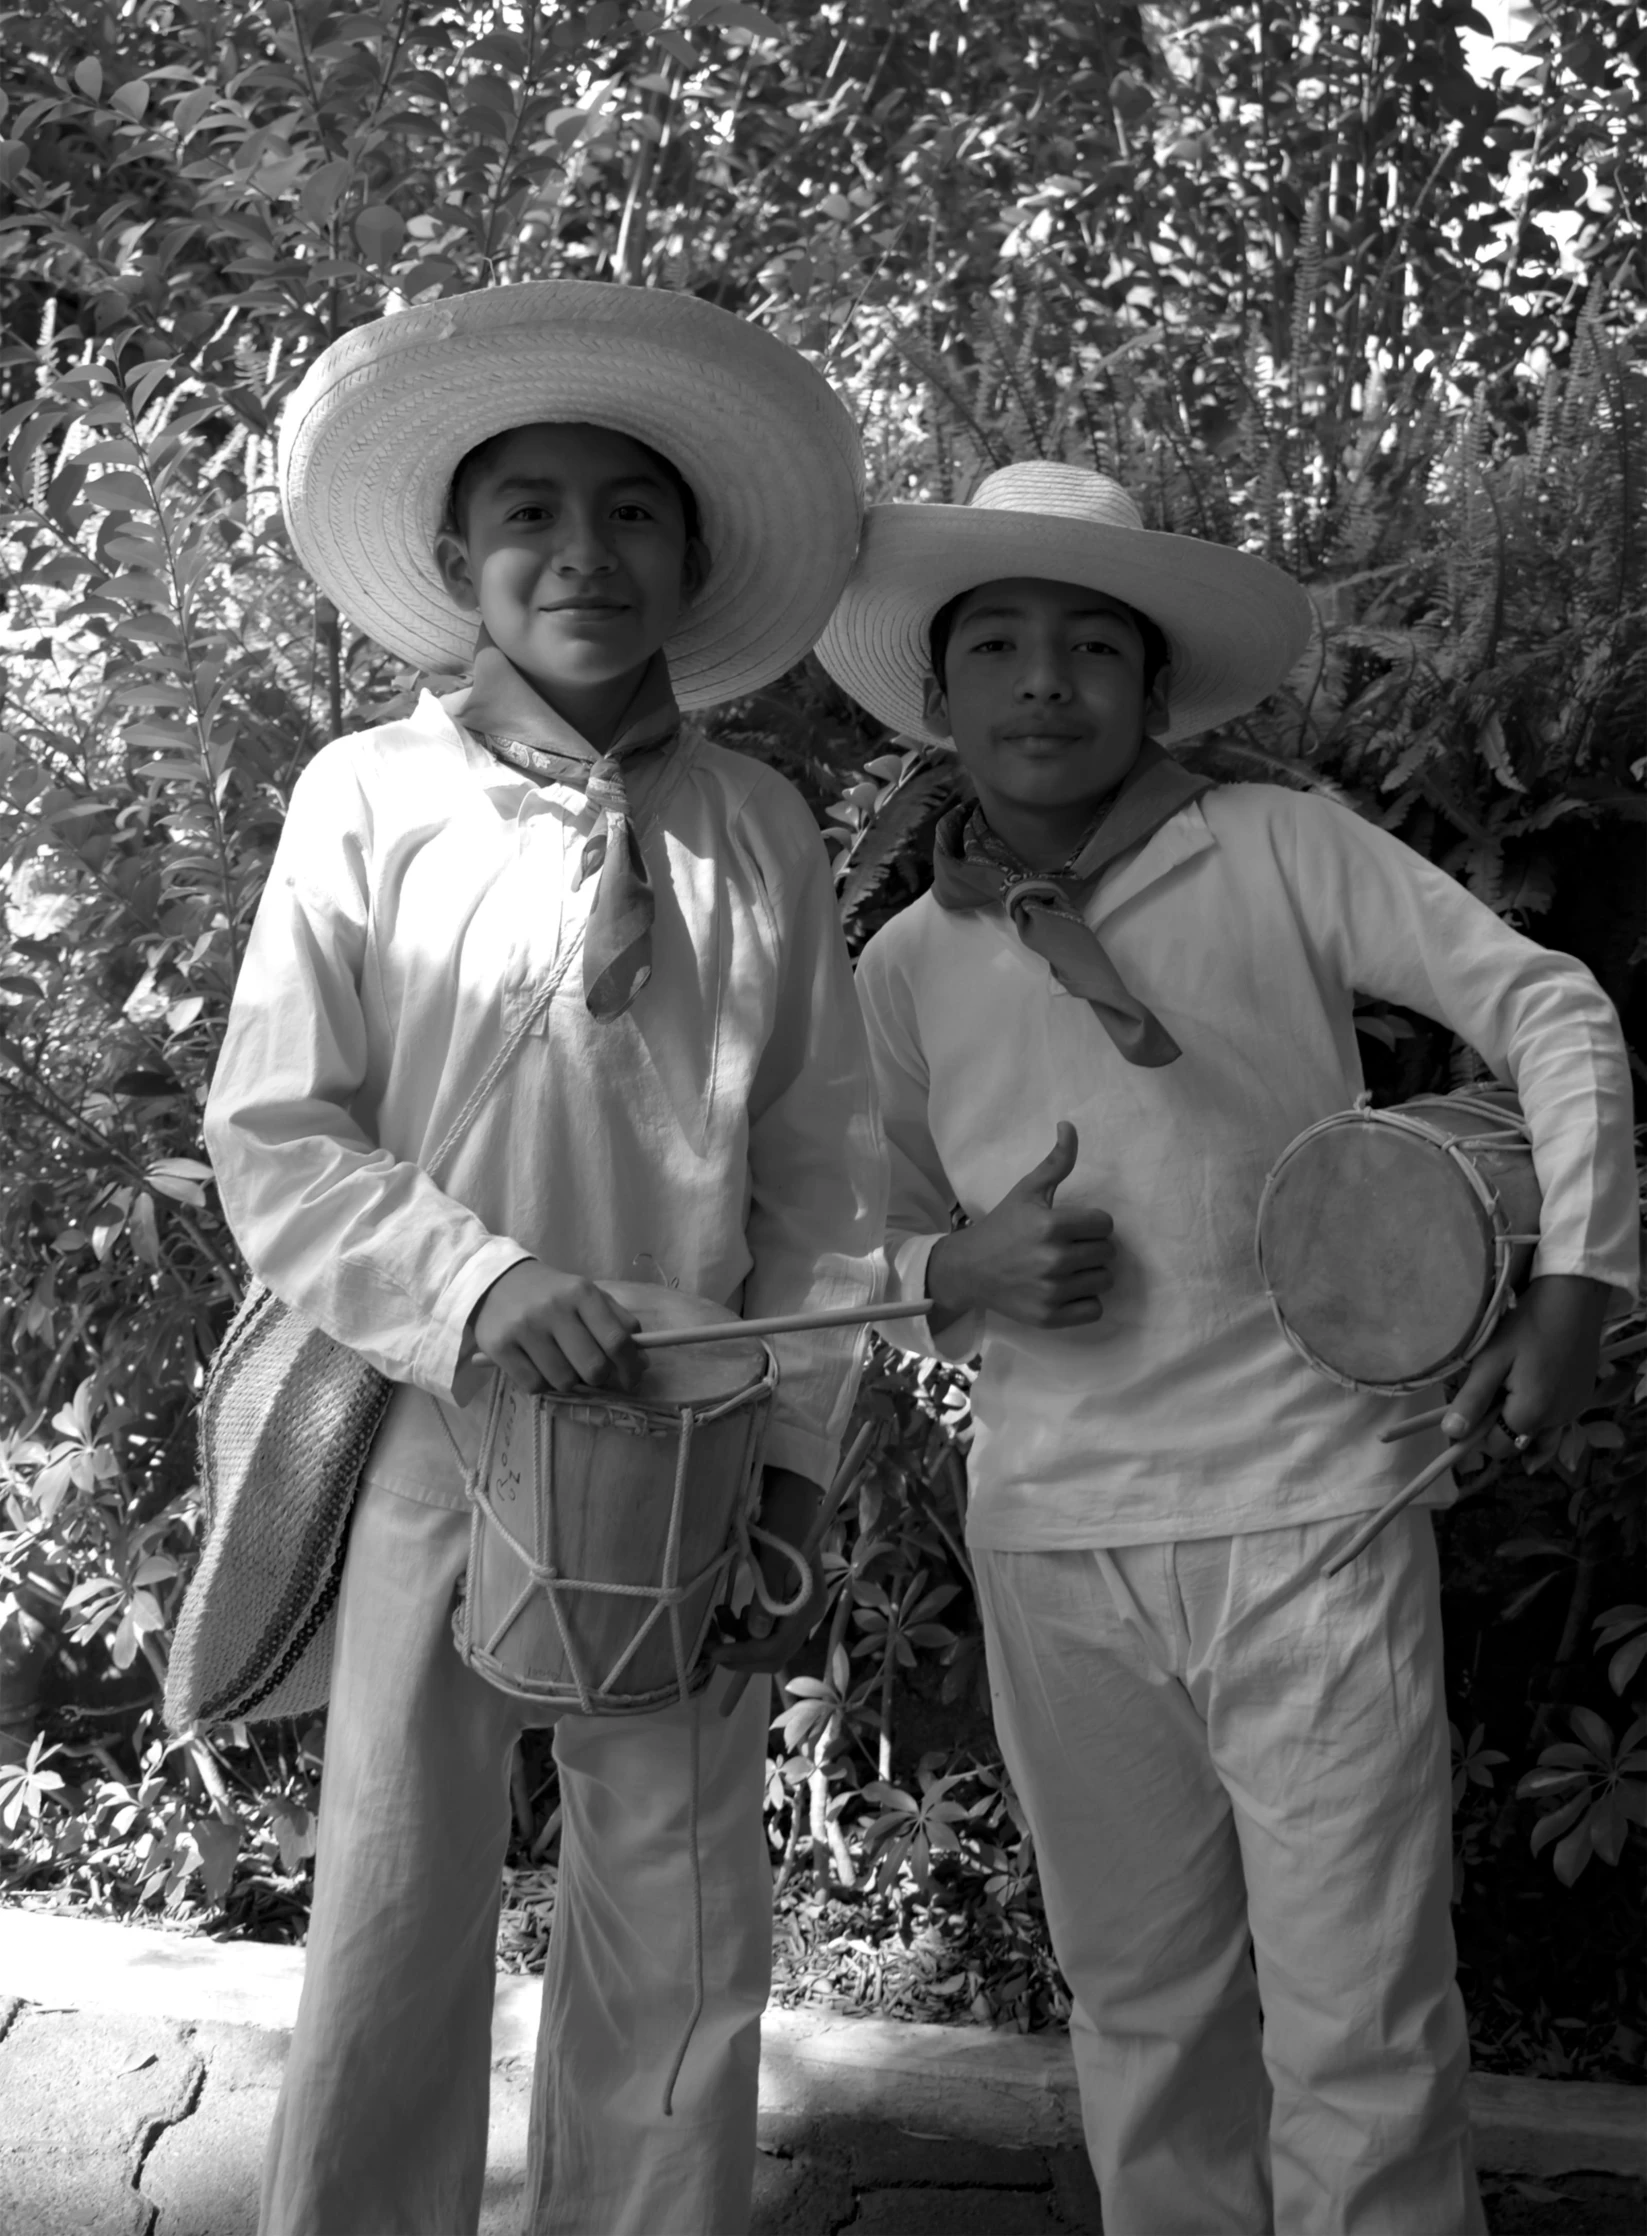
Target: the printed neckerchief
(973, 868)
(520, 729)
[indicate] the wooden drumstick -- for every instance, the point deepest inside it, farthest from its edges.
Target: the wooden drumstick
(1419, 1421)
(784, 1323)
(1404, 1498)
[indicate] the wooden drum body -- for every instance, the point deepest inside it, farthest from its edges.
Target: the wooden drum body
(607, 1525)
(1389, 1241)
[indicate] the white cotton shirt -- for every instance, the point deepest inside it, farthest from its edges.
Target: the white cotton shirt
(1248, 923)
(720, 1134)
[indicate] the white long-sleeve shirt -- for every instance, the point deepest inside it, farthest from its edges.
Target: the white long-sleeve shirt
(720, 1134)
(1247, 923)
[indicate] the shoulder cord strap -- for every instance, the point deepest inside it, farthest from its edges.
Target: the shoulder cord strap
(477, 1095)
(546, 993)
(505, 1056)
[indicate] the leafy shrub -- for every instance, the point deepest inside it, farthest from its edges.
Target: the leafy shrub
(1255, 279)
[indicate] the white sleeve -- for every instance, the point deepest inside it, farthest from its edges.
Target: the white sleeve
(364, 1244)
(817, 1166)
(1392, 925)
(921, 1198)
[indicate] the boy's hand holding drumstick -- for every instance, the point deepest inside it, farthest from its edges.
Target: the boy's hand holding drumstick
(1540, 1364)
(1538, 1369)
(1031, 1258)
(547, 1330)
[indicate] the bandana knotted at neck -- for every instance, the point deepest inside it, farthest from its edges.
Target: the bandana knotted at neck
(519, 729)
(973, 869)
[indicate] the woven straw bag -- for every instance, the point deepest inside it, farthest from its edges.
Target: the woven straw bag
(287, 1421)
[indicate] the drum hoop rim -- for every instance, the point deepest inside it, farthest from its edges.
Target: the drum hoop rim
(1512, 1126)
(587, 1400)
(1433, 1137)
(1496, 1221)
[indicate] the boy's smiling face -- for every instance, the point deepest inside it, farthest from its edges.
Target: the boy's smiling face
(571, 546)
(1043, 693)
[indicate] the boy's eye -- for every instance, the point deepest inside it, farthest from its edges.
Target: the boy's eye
(990, 644)
(630, 510)
(1099, 644)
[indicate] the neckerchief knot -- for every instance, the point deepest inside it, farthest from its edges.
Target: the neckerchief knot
(617, 942)
(973, 868)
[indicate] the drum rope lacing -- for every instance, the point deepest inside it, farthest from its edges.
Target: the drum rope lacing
(546, 1578)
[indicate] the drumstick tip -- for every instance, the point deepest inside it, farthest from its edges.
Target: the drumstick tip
(1414, 1425)
(1404, 1497)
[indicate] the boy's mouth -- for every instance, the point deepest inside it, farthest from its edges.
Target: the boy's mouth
(586, 605)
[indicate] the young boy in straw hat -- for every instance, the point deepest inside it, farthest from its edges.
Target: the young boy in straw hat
(1125, 994)
(593, 492)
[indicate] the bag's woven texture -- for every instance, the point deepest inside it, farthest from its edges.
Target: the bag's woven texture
(287, 1420)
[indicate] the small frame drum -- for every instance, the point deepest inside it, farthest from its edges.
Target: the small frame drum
(1389, 1241)
(607, 1525)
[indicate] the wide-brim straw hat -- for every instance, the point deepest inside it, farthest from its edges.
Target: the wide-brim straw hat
(374, 432)
(1234, 625)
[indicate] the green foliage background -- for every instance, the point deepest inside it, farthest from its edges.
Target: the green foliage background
(1316, 278)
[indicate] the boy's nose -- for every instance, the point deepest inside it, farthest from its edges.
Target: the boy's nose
(1043, 681)
(581, 547)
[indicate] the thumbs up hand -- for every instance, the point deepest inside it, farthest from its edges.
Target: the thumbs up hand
(1031, 1258)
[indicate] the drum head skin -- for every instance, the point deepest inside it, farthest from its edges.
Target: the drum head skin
(1378, 1254)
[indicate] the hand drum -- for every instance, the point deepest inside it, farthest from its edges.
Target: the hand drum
(607, 1525)
(1389, 1241)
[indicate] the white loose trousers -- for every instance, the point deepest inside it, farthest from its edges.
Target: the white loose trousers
(1228, 1760)
(381, 2123)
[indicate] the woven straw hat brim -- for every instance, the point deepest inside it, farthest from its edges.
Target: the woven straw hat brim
(1235, 624)
(372, 435)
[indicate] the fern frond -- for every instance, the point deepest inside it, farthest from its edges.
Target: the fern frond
(917, 799)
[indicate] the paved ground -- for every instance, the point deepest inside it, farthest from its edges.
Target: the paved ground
(117, 2126)
(127, 2113)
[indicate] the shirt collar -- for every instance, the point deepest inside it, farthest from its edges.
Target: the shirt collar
(1187, 834)
(500, 700)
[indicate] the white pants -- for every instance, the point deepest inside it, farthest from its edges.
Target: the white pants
(1230, 1762)
(381, 2124)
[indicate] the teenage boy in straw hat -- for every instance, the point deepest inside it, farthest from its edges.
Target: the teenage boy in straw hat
(593, 492)
(1124, 995)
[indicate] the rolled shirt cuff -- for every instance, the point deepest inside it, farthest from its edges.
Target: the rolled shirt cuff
(906, 1280)
(1618, 1272)
(443, 1366)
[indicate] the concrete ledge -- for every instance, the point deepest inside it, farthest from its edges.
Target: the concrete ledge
(89, 1964)
(1558, 2127)
(977, 2084)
